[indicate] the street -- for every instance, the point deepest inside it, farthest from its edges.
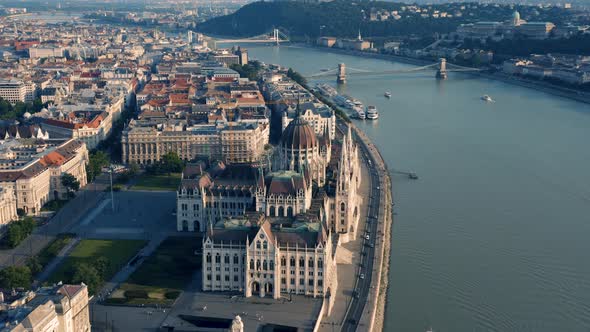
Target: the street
(364, 275)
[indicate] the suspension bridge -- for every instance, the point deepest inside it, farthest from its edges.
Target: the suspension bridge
(275, 36)
(442, 68)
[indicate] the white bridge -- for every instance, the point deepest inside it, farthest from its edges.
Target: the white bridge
(275, 36)
(441, 67)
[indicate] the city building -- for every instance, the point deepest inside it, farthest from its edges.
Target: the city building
(15, 91)
(7, 206)
(283, 239)
(61, 308)
(258, 258)
(89, 126)
(146, 141)
(209, 194)
(32, 169)
(508, 29)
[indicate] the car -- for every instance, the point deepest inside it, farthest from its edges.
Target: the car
(367, 237)
(362, 276)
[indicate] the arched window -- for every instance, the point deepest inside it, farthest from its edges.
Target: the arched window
(292, 261)
(310, 263)
(265, 265)
(342, 206)
(281, 211)
(226, 259)
(283, 261)
(320, 264)
(236, 259)
(258, 264)
(264, 245)
(272, 264)
(251, 264)
(208, 257)
(257, 244)
(217, 258)
(272, 212)
(290, 211)
(301, 262)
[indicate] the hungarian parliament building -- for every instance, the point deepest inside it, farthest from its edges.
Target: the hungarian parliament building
(273, 229)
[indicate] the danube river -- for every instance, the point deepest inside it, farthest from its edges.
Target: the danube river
(495, 234)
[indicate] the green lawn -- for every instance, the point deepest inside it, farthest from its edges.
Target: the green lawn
(162, 276)
(53, 248)
(157, 182)
(118, 253)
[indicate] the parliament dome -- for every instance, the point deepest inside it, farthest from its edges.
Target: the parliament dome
(299, 135)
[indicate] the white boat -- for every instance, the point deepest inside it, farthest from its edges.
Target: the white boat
(372, 113)
(487, 98)
(387, 94)
(359, 112)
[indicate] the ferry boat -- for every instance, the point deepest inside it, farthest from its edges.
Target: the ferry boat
(387, 94)
(358, 103)
(372, 113)
(487, 98)
(359, 112)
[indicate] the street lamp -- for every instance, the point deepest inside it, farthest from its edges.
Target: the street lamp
(112, 196)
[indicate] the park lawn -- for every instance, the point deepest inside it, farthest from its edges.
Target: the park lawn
(118, 253)
(163, 275)
(157, 182)
(53, 248)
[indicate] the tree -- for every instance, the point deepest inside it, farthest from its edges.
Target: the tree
(171, 163)
(102, 266)
(133, 169)
(70, 183)
(295, 76)
(96, 162)
(16, 277)
(19, 230)
(34, 265)
(87, 274)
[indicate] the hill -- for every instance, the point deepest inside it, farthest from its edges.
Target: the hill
(376, 19)
(303, 20)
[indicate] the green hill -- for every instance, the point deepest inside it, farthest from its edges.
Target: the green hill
(340, 18)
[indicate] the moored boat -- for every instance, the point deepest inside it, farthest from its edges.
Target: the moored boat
(372, 113)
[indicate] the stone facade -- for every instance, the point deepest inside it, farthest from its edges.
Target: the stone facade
(7, 206)
(232, 142)
(265, 260)
(33, 169)
(52, 309)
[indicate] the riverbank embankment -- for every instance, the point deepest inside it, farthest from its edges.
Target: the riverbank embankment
(374, 312)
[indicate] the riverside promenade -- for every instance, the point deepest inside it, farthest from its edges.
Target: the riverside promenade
(366, 312)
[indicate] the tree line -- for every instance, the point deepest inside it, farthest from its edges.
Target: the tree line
(16, 111)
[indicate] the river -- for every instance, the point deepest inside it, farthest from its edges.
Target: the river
(494, 236)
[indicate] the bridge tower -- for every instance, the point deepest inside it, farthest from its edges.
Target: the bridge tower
(341, 78)
(275, 36)
(441, 73)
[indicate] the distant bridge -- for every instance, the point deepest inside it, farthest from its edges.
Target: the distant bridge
(275, 36)
(442, 68)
